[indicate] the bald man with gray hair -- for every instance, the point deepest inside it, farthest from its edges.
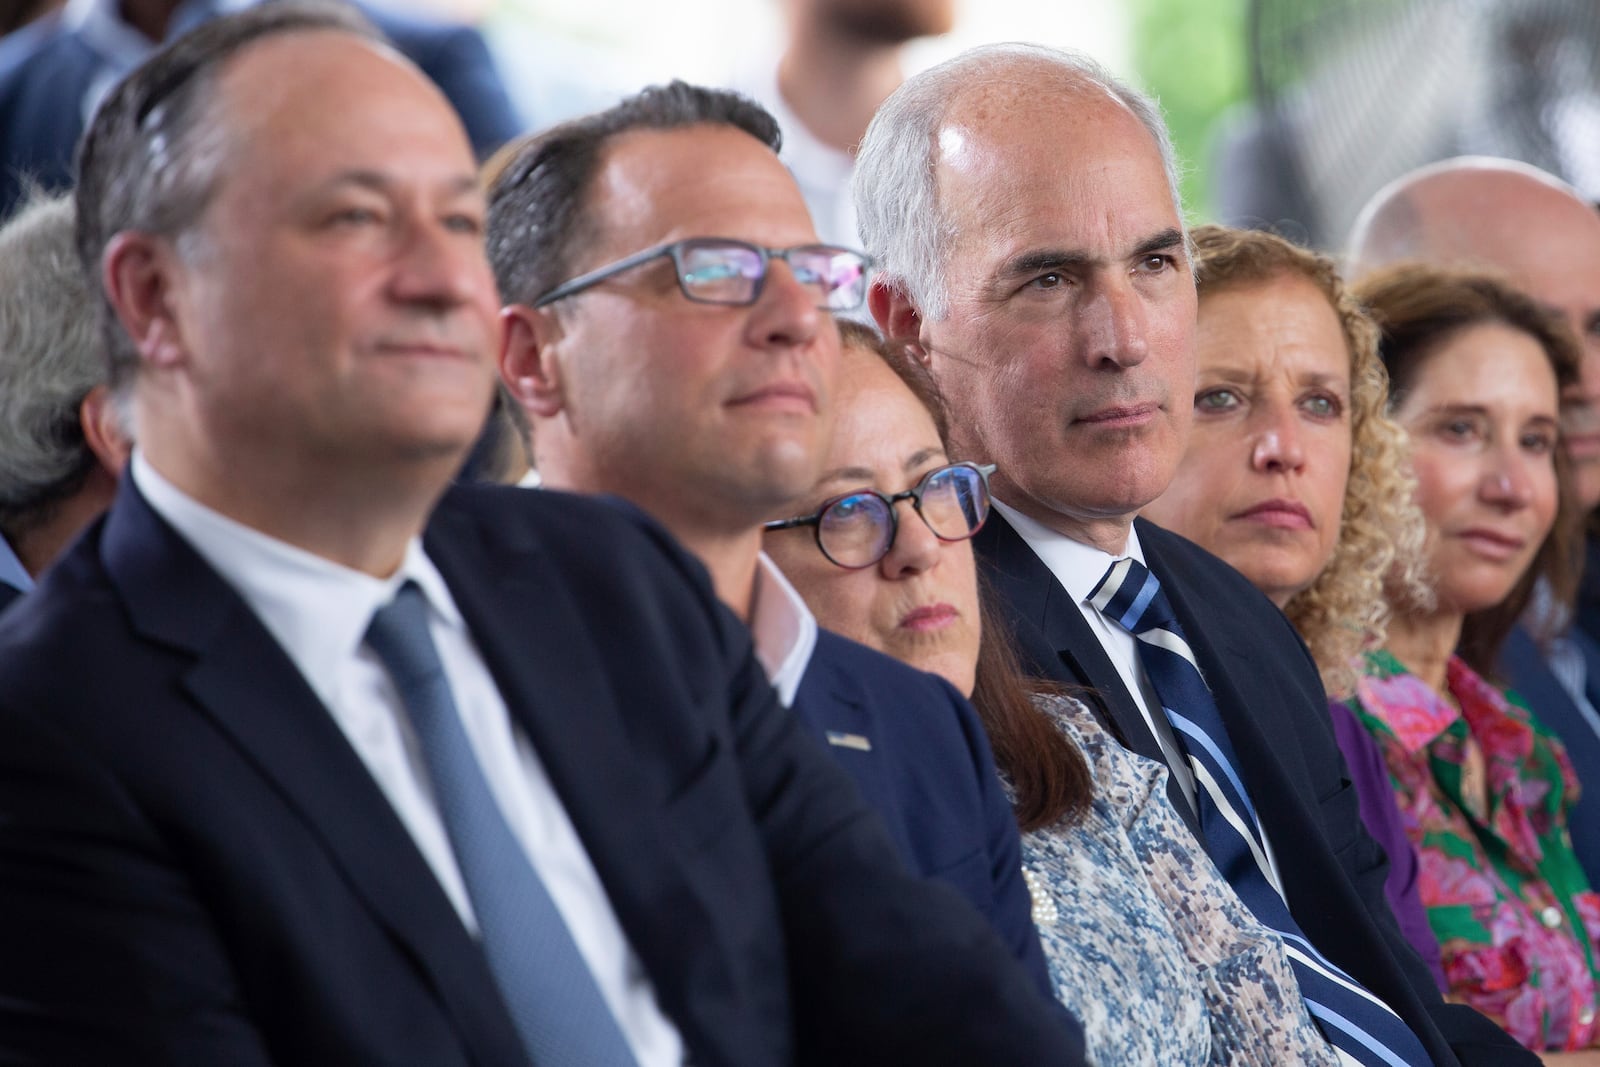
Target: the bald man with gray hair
(1022, 204)
(1513, 219)
(61, 447)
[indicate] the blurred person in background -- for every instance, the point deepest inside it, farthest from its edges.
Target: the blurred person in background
(1505, 216)
(54, 71)
(1477, 370)
(1295, 475)
(841, 60)
(1147, 944)
(62, 446)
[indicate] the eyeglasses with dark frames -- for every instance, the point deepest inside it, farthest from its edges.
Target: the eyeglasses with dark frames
(722, 270)
(858, 529)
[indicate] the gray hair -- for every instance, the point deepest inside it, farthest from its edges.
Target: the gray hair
(50, 358)
(902, 223)
(154, 152)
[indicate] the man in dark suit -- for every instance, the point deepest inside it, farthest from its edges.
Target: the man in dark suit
(708, 404)
(54, 71)
(304, 761)
(1021, 204)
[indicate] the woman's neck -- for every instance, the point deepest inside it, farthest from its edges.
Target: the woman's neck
(1424, 644)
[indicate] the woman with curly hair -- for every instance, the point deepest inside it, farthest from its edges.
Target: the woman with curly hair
(1477, 370)
(1296, 476)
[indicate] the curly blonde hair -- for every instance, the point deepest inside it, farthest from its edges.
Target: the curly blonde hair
(1345, 610)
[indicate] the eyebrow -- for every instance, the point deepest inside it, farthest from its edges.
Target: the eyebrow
(380, 182)
(1231, 373)
(866, 474)
(1047, 259)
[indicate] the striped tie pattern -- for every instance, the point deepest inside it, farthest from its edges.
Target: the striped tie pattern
(1360, 1026)
(549, 990)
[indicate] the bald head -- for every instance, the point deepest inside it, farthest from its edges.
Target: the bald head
(1496, 214)
(1516, 220)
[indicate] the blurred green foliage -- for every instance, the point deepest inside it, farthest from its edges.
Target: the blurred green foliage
(1193, 55)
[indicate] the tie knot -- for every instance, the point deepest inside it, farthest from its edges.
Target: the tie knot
(399, 635)
(1130, 596)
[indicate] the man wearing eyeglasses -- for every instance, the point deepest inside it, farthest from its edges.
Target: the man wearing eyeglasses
(308, 758)
(669, 334)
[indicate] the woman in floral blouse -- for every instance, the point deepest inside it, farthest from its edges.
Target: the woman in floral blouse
(1476, 371)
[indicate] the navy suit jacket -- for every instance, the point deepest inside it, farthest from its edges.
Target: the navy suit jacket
(46, 68)
(1527, 672)
(196, 867)
(1270, 695)
(930, 775)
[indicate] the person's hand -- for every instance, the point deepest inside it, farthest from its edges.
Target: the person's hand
(1584, 1057)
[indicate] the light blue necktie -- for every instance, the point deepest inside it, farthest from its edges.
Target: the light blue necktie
(548, 987)
(1352, 1019)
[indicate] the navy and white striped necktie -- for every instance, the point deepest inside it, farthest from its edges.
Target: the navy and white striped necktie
(1363, 1028)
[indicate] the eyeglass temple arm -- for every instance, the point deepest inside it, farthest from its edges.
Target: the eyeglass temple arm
(600, 274)
(789, 524)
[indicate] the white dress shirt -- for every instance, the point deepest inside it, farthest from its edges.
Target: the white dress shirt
(1079, 568)
(319, 612)
(785, 631)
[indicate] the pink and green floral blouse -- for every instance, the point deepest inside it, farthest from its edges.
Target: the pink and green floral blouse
(1516, 920)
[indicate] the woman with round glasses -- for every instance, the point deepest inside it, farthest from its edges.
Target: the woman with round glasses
(1147, 945)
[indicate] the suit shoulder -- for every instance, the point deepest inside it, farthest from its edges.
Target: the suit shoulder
(599, 541)
(873, 668)
(897, 686)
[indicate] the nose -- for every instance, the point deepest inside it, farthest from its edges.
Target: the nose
(916, 548)
(1277, 447)
(1507, 482)
(1113, 324)
(786, 314)
(440, 268)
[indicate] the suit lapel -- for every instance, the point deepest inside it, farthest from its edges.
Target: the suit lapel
(1039, 601)
(1225, 661)
(1035, 595)
(245, 683)
(557, 685)
(835, 709)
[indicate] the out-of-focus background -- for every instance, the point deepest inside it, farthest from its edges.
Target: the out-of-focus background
(1288, 114)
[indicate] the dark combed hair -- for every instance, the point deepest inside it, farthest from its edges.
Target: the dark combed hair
(1051, 778)
(153, 152)
(539, 185)
(1418, 308)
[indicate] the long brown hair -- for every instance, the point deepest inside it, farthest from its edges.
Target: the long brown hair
(1418, 308)
(1046, 769)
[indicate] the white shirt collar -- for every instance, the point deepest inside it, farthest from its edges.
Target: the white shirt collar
(12, 572)
(317, 610)
(1077, 566)
(785, 631)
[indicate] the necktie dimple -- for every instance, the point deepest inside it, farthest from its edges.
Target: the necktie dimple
(1361, 1027)
(548, 988)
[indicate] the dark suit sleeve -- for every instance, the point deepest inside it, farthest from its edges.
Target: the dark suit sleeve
(1012, 911)
(115, 961)
(885, 968)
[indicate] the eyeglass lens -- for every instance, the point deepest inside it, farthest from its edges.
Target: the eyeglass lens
(858, 530)
(720, 273)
